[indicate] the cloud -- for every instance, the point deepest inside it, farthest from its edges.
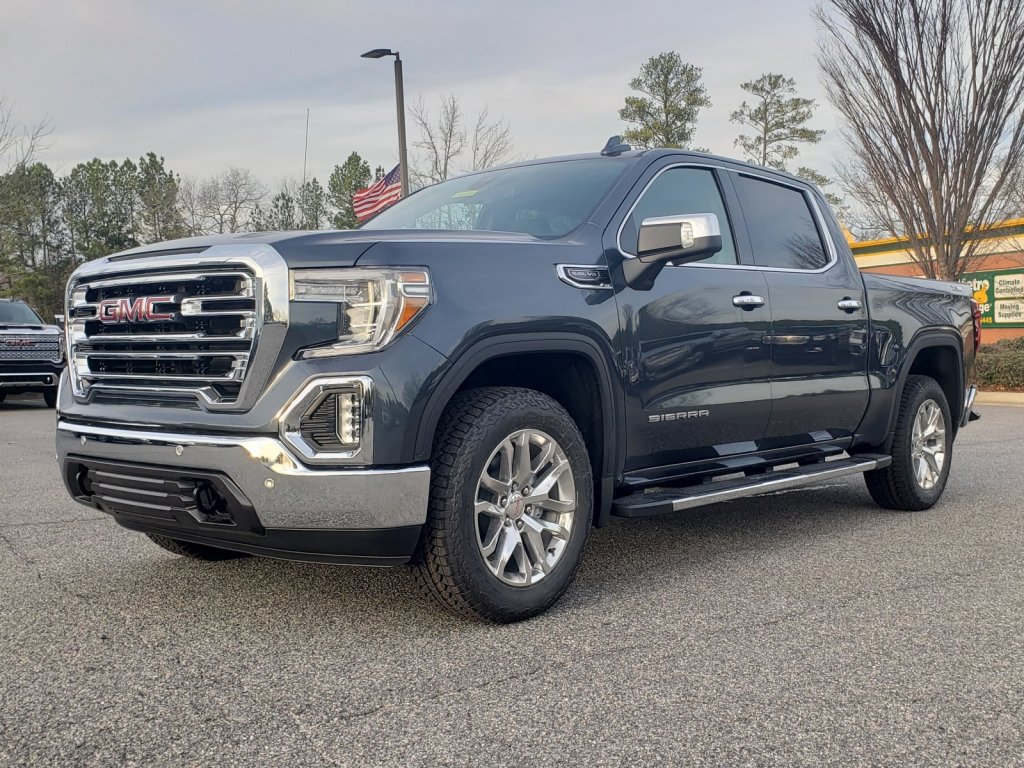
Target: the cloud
(227, 82)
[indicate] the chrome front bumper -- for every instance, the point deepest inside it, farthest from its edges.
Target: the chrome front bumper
(284, 493)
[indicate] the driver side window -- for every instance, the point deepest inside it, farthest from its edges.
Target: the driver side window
(677, 192)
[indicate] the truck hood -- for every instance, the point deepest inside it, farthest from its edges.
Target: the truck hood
(341, 248)
(26, 329)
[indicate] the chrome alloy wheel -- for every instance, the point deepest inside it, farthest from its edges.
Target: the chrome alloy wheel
(928, 444)
(525, 505)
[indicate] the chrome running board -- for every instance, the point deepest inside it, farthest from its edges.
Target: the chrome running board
(663, 501)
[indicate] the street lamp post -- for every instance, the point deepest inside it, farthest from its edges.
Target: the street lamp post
(403, 159)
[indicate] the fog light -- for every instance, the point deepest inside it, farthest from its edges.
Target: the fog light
(330, 420)
(349, 407)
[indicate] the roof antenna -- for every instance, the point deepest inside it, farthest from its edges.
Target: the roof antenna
(615, 146)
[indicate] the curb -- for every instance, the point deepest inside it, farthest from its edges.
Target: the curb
(999, 398)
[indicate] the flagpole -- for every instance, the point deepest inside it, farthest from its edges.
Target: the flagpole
(403, 157)
(305, 149)
(403, 160)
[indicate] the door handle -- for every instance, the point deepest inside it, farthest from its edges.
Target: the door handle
(849, 305)
(747, 301)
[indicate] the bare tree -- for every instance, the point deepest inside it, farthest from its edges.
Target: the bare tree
(492, 141)
(444, 141)
(237, 194)
(932, 92)
(8, 127)
(860, 222)
(295, 205)
(19, 143)
(441, 141)
(220, 204)
(190, 204)
(1015, 192)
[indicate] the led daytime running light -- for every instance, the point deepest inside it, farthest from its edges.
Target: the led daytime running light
(378, 304)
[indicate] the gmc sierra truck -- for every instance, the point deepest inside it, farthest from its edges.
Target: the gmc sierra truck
(31, 353)
(486, 370)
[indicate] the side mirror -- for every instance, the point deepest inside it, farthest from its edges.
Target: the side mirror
(59, 319)
(676, 239)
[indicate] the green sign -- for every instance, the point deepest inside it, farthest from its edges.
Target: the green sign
(1000, 295)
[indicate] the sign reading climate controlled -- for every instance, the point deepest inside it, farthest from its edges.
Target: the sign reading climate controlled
(1000, 294)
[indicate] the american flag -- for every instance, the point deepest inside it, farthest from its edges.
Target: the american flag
(379, 196)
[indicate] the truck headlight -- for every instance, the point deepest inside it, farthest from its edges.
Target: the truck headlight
(376, 304)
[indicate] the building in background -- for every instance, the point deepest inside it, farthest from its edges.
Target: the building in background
(997, 277)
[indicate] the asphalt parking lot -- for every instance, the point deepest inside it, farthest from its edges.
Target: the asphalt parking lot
(803, 628)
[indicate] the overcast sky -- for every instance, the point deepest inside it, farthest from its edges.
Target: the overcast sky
(227, 82)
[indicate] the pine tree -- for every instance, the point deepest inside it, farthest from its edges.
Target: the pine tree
(778, 118)
(279, 215)
(159, 216)
(311, 205)
(666, 114)
(345, 181)
(99, 208)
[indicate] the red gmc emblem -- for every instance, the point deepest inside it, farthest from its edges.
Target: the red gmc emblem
(19, 342)
(139, 310)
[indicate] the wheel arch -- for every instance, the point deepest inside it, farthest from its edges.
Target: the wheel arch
(929, 354)
(528, 360)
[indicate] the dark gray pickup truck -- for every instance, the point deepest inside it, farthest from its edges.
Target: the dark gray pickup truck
(31, 353)
(491, 367)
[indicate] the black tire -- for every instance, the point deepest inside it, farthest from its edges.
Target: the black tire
(449, 564)
(3, 396)
(193, 551)
(897, 486)
(50, 398)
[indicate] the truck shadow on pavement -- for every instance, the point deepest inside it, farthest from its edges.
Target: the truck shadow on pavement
(780, 525)
(22, 403)
(629, 560)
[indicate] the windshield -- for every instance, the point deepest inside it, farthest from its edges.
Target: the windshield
(16, 312)
(544, 200)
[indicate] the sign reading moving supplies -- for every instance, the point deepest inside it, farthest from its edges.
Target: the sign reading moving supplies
(1000, 295)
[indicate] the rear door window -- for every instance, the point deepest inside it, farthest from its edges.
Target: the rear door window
(781, 226)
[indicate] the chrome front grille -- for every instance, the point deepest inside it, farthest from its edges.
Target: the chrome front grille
(164, 333)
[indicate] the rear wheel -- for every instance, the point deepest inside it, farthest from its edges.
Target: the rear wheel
(922, 450)
(510, 505)
(193, 551)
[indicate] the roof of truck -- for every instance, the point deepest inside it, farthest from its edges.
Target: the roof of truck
(202, 242)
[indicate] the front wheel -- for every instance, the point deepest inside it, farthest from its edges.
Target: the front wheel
(511, 504)
(50, 398)
(922, 450)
